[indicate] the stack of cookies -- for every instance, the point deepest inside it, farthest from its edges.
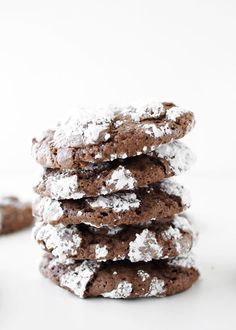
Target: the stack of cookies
(108, 214)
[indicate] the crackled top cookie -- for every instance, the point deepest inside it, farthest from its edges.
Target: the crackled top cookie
(120, 175)
(105, 135)
(155, 240)
(121, 279)
(14, 215)
(151, 203)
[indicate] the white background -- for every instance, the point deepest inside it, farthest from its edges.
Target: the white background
(55, 55)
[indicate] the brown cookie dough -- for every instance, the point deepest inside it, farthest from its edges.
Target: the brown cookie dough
(120, 175)
(14, 215)
(153, 241)
(152, 203)
(107, 135)
(122, 279)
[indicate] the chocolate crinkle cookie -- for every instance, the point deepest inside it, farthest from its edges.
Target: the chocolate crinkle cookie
(108, 134)
(141, 242)
(122, 279)
(14, 215)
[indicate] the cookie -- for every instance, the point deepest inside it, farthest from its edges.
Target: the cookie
(14, 215)
(120, 175)
(151, 203)
(105, 135)
(165, 239)
(121, 279)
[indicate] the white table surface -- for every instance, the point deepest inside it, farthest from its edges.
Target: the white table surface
(28, 301)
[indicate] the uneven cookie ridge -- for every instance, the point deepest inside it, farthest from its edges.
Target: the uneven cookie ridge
(151, 203)
(129, 174)
(122, 133)
(145, 242)
(120, 279)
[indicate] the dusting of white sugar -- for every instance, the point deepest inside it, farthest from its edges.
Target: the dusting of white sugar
(77, 280)
(174, 234)
(142, 112)
(156, 289)
(48, 209)
(173, 188)
(145, 247)
(179, 156)
(182, 223)
(100, 252)
(65, 157)
(186, 261)
(60, 240)
(174, 113)
(42, 152)
(121, 179)
(123, 290)
(81, 130)
(143, 275)
(154, 131)
(88, 126)
(63, 186)
(119, 203)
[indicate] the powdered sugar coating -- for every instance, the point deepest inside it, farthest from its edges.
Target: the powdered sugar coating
(142, 112)
(63, 186)
(64, 157)
(145, 247)
(174, 113)
(59, 239)
(182, 223)
(154, 131)
(42, 152)
(77, 280)
(119, 203)
(78, 131)
(173, 188)
(156, 289)
(121, 179)
(54, 262)
(179, 156)
(119, 257)
(101, 252)
(144, 276)
(88, 126)
(122, 291)
(186, 261)
(174, 234)
(48, 209)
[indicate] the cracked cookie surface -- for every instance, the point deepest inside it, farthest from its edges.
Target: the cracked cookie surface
(156, 202)
(105, 135)
(120, 175)
(122, 279)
